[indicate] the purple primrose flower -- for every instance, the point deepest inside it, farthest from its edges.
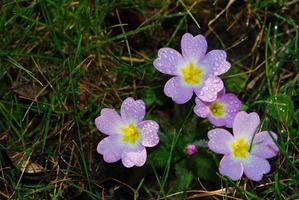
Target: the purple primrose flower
(244, 151)
(220, 112)
(128, 134)
(193, 70)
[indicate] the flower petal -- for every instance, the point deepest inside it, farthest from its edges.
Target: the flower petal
(232, 107)
(132, 110)
(128, 147)
(264, 146)
(221, 92)
(167, 61)
(201, 109)
(211, 87)
(108, 121)
(194, 48)
(110, 148)
(255, 167)
(219, 140)
(149, 130)
(217, 121)
(246, 125)
(174, 89)
(215, 61)
(231, 168)
(138, 158)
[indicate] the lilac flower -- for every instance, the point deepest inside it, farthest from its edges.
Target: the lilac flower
(220, 112)
(128, 134)
(244, 151)
(193, 70)
(191, 149)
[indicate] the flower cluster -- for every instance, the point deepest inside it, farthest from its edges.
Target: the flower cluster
(193, 71)
(196, 71)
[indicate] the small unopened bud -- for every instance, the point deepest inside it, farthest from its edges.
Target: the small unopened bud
(191, 149)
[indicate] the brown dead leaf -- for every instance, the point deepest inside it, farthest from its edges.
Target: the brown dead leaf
(20, 163)
(29, 90)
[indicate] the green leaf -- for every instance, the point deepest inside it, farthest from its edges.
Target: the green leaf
(159, 157)
(244, 107)
(184, 177)
(149, 96)
(264, 4)
(203, 166)
(280, 107)
(235, 80)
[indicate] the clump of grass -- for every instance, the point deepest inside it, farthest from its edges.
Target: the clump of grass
(62, 62)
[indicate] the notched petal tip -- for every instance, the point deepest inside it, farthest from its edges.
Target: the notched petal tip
(108, 121)
(137, 158)
(216, 61)
(252, 117)
(249, 116)
(255, 167)
(132, 109)
(231, 168)
(193, 47)
(189, 36)
(106, 147)
(246, 124)
(168, 60)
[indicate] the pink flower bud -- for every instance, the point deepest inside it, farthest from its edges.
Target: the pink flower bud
(190, 149)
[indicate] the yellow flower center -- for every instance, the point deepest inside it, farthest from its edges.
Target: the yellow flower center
(217, 109)
(130, 134)
(191, 74)
(240, 148)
